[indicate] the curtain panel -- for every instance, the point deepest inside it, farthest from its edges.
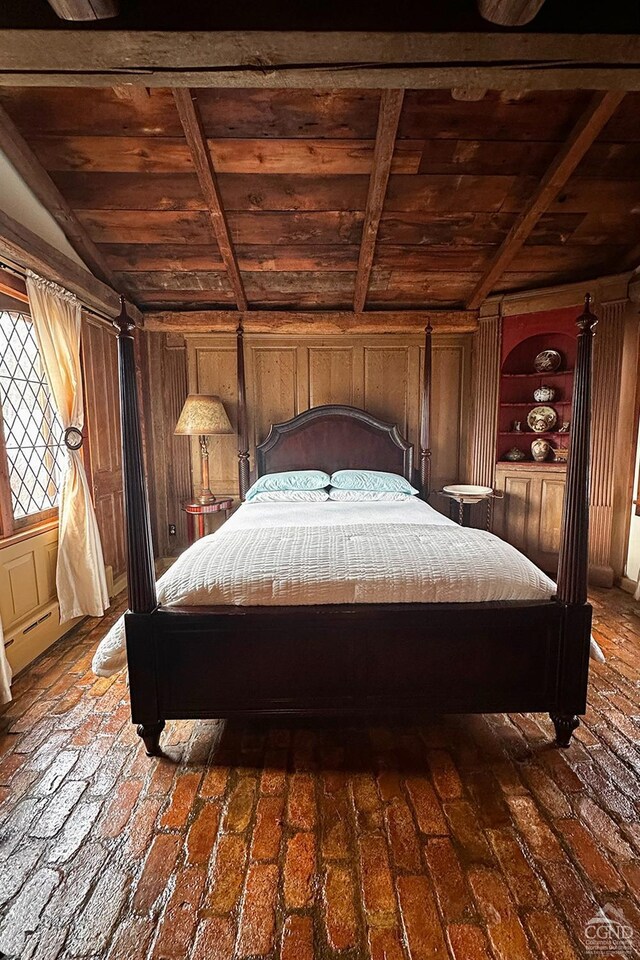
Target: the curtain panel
(80, 575)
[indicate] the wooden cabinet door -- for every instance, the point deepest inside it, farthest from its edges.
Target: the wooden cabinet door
(530, 514)
(103, 452)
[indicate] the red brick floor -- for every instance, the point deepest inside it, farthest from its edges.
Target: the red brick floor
(464, 837)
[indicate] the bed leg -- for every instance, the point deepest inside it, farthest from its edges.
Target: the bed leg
(565, 724)
(150, 733)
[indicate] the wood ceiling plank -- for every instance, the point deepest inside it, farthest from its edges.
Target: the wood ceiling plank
(389, 116)
(251, 258)
(341, 59)
(202, 161)
(22, 158)
(129, 227)
(170, 155)
(437, 193)
(317, 322)
(239, 192)
(601, 108)
(25, 248)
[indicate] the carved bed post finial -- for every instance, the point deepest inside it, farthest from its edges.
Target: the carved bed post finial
(243, 436)
(140, 567)
(574, 545)
(425, 417)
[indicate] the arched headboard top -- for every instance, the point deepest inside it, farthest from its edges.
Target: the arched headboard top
(335, 437)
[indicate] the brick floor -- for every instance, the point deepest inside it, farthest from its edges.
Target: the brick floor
(460, 838)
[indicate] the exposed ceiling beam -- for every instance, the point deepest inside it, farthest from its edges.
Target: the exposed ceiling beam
(388, 119)
(22, 157)
(195, 136)
(311, 322)
(85, 9)
(599, 111)
(631, 260)
(509, 13)
(340, 59)
(23, 248)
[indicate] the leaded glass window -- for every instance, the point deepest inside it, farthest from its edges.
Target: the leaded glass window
(33, 434)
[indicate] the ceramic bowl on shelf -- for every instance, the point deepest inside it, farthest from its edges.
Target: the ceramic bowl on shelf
(515, 455)
(544, 394)
(469, 492)
(547, 361)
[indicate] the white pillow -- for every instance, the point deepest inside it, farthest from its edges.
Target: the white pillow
(378, 481)
(335, 493)
(289, 480)
(283, 496)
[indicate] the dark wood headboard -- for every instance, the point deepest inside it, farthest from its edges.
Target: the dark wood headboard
(332, 438)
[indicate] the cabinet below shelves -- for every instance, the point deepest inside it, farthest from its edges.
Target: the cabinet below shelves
(529, 515)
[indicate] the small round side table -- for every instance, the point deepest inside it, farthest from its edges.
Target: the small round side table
(196, 513)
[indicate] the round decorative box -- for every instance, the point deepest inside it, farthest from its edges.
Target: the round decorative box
(515, 454)
(544, 394)
(540, 450)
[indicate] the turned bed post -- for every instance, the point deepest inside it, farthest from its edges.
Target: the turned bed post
(573, 567)
(140, 567)
(425, 417)
(243, 438)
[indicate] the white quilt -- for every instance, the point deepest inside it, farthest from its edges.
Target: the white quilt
(278, 554)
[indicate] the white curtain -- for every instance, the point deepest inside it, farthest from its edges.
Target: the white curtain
(80, 576)
(5, 672)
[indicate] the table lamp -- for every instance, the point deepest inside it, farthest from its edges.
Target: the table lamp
(203, 416)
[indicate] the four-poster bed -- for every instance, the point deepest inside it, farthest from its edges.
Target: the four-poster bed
(339, 659)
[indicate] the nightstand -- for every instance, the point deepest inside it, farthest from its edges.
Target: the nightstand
(197, 512)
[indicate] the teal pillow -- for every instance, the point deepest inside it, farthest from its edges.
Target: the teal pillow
(289, 480)
(375, 480)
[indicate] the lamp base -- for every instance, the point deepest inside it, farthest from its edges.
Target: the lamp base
(206, 497)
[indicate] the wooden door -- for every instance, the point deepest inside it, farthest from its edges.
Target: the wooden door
(103, 452)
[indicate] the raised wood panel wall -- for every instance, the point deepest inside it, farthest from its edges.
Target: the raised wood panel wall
(382, 374)
(103, 454)
(164, 390)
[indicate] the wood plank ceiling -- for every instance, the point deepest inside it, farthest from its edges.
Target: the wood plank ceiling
(274, 216)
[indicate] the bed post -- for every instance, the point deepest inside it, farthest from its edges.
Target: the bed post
(243, 440)
(140, 567)
(425, 417)
(573, 565)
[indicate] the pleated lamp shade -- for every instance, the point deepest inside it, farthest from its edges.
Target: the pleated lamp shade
(203, 415)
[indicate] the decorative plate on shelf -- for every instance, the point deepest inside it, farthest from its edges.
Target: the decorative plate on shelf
(541, 419)
(547, 361)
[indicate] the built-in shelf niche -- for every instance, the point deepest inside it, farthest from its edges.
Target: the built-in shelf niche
(519, 379)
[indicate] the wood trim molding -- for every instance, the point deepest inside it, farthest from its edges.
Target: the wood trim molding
(85, 9)
(485, 380)
(311, 323)
(599, 111)
(340, 59)
(607, 368)
(29, 251)
(388, 119)
(22, 157)
(191, 121)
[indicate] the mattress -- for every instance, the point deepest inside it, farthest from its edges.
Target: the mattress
(274, 554)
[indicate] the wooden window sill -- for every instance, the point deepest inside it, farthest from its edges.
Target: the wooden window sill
(27, 532)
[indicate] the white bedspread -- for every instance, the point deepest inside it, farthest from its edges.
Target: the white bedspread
(321, 553)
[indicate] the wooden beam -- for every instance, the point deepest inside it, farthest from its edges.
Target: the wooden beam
(340, 59)
(85, 9)
(388, 119)
(196, 139)
(310, 323)
(22, 157)
(23, 248)
(631, 260)
(509, 13)
(599, 111)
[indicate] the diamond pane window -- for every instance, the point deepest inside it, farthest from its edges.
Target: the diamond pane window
(32, 431)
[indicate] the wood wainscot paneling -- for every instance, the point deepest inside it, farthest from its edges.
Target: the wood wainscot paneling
(103, 453)
(381, 373)
(28, 603)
